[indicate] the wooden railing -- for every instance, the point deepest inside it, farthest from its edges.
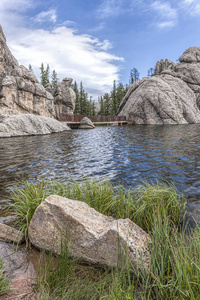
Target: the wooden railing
(94, 119)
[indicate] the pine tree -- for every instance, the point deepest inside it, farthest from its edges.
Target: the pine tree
(77, 107)
(54, 79)
(44, 74)
(93, 109)
(120, 93)
(114, 100)
(30, 69)
(134, 76)
(102, 110)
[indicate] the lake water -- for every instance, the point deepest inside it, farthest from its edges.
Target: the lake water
(126, 154)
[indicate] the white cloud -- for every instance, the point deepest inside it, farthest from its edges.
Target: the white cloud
(167, 15)
(46, 16)
(80, 56)
(191, 7)
(109, 8)
(167, 24)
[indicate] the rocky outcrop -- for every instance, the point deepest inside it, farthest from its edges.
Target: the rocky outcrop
(20, 91)
(9, 234)
(64, 97)
(86, 123)
(28, 124)
(91, 236)
(170, 97)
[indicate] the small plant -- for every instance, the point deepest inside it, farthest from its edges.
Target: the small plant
(26, 199)
(160, 200)
(4, 282)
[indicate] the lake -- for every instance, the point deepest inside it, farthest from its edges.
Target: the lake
(124, 154)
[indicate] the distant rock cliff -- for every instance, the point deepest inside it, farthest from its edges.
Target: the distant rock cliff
(172, 96)
(20, 91)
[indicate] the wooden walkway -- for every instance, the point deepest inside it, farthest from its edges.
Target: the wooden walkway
(73, 121)
(75, 125)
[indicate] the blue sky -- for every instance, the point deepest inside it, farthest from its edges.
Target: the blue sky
(101, 40)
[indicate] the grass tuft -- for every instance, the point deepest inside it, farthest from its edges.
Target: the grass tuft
(4, 282)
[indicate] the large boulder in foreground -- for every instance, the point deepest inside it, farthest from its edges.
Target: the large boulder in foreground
(91, 236)
(27, 124)
(161, 99)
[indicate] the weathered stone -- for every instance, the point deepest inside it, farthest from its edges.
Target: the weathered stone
(27, 124)
(64, 97)
(20, 91)
(190, 55)
(91, 236)
(9, 234)
(86, 123)
(160, 100)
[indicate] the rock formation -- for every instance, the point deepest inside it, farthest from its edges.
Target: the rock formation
(86, 123)
(20, 91)
(91, 236)
(29, 124)
(172, 96)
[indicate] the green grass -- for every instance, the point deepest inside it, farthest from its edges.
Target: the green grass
(4, 282)
(174, 271)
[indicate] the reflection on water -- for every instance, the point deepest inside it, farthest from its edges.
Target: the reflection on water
(128, 153)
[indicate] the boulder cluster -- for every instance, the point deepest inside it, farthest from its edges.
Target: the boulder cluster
(171, 96)
(21, 93)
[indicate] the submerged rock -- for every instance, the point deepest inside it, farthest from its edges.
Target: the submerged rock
(170, 97)
(86, 123)
(27, 124)
(91, 236)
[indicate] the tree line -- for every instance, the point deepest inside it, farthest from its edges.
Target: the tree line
(109, 102)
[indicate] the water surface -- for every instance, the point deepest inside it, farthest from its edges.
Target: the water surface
(128, 154)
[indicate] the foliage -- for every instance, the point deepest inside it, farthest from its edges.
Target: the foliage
(4, 282)
(26, 199)
(65, 278)
(83, 105)
(54, 79)
(30, 69)
(44, 74)
(174, 270)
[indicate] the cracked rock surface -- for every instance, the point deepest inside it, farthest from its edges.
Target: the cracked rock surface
(170, 97)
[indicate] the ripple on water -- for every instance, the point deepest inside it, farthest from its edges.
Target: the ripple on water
(129, 153)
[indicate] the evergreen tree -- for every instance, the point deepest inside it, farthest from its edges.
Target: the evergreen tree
(54, 79)
(77, 107)
(44, 74)
(30, 69)
(114, 99)
(120, 93)
(107, 104)
(134, 75)
(102, 111)
(93, 109)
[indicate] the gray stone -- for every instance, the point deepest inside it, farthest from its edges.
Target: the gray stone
(27, 124)
(91, 236)
(162, 99)
(190, 55)
(20, 91)
(170, 97)
(86, 123)
(64, 97)
(9, 234)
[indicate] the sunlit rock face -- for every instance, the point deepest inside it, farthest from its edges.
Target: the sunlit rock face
(20, 91)
(171, 96)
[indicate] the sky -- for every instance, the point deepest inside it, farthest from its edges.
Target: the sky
(99, 41)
